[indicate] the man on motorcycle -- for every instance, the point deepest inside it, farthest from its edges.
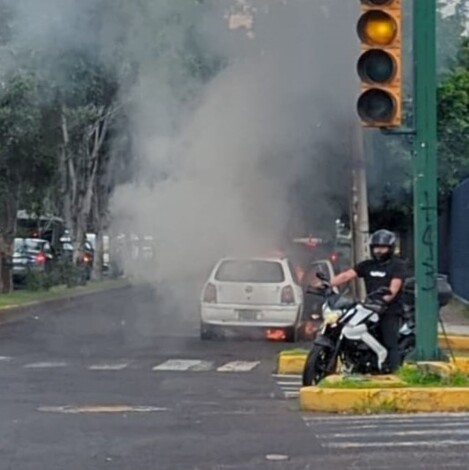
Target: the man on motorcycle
(383, 270)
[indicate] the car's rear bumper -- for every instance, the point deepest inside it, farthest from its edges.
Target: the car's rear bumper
(23, 270)
(268, 316)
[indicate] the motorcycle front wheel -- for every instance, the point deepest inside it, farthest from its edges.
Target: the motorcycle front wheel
(316, 365)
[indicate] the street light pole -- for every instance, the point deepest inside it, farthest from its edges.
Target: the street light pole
(425, 180)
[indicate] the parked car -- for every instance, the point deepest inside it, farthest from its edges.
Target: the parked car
(31, 255)
(257, 293)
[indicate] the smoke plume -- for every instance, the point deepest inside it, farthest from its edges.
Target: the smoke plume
(257, 153)
(240, 115)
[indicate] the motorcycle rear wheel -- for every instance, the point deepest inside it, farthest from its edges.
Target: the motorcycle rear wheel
(316, 364)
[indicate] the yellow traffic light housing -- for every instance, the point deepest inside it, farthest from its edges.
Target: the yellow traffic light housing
(380, 64)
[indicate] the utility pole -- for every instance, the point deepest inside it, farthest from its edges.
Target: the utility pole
(360, 222)
(425, 180)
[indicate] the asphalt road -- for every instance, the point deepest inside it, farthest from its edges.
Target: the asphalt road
(121, 381)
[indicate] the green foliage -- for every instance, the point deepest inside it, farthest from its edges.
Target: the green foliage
(39, 281)
(453, 127)
(390, 172)
(414, 376)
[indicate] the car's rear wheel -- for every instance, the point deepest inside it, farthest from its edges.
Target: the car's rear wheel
(291, 334)
(206, 332)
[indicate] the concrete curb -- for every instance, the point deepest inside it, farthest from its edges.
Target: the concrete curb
(62, 300)
(384, 400)
(291, 364)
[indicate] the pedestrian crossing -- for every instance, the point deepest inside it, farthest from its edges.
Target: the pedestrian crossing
(289, 385)
(164, 365)
(438, 432)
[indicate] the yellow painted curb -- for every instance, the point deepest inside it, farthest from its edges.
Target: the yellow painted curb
(457, 343)
(384, 400)
(291, 364)
(462, 364)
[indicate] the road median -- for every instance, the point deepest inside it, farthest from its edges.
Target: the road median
(20, 299)
(421, 387)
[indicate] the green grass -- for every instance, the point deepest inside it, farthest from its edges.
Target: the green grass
(358, 383)
(411, 376)
(415, 377)
(21, 297)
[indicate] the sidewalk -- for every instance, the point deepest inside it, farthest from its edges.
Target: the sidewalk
(457, 330)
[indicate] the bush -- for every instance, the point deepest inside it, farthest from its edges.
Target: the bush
(36, 281)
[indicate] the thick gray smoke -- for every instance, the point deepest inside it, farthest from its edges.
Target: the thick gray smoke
(258, 152)
(235, 160)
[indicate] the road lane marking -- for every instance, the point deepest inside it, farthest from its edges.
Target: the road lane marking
(110, 366)
(100, 409)
(286, 376)
(411, 432)
(389, 417)
(5, 358)
(181, 365)
(455, 424)
(45, 365)
(238, 366)
(355, 445)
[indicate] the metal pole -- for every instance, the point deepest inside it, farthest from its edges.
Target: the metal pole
(360, 203)
(425, 180)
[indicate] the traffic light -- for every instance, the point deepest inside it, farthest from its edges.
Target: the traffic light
(380, 64)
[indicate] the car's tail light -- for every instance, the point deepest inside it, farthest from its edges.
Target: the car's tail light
(41, 258)
(334, 257)
(210, 294)
(288, 296)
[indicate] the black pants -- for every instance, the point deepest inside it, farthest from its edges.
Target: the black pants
(389, 331)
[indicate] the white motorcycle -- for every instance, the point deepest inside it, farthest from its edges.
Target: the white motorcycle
(349, 333)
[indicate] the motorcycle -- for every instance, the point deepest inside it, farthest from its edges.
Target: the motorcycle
(349, 334)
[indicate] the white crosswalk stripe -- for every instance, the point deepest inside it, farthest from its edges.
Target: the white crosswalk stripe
(45, 365)
(289, 384)
(164, 365)
(109, 366)
(433, 431)
(238, 366)
(182, 365)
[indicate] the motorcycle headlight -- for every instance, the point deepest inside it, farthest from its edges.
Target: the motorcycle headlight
(331, 316)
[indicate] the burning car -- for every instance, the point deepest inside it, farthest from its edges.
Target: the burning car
(254, 293)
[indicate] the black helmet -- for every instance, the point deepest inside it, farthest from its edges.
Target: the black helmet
(383, 238)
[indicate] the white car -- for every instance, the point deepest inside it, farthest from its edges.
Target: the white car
(260, 293)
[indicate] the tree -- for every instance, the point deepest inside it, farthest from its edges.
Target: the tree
(26, 167)
(453, 124)
(87, 111)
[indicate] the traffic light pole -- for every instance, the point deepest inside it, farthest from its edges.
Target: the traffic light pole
(425, 180)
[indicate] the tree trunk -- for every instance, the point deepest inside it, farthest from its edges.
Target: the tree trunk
(98, 256)
(8, 213)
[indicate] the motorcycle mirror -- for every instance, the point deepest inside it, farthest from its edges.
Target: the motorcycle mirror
(322, 276)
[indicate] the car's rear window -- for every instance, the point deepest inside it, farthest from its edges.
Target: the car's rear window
(250, 271)
(28, 244)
